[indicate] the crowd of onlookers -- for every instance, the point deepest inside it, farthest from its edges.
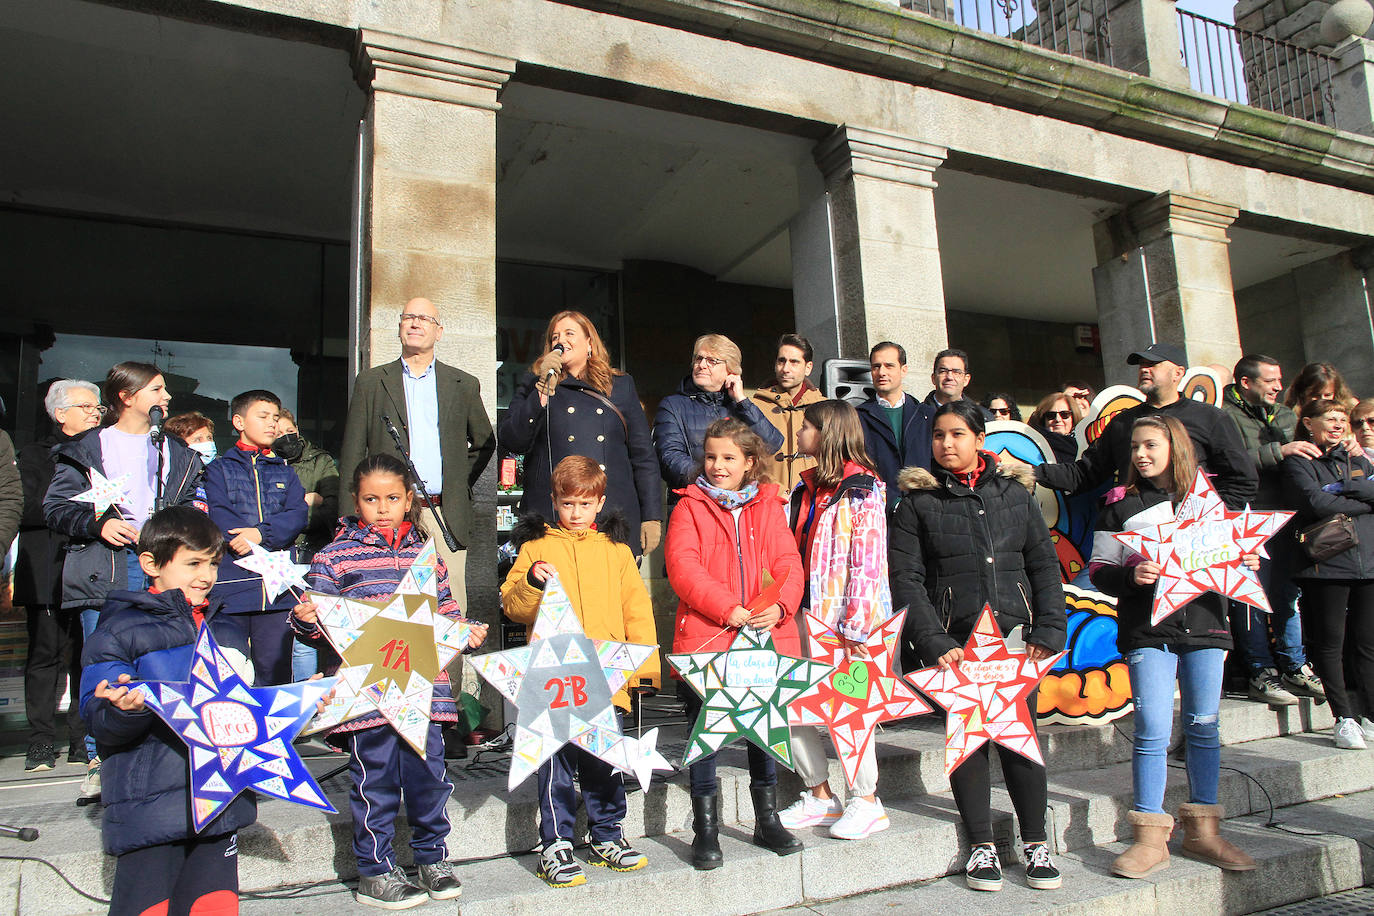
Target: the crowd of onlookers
(893, 504)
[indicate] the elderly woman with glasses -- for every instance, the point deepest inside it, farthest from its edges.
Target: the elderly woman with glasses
(1362, 424)
(711, 390)
(54, 633)
(1055, 417)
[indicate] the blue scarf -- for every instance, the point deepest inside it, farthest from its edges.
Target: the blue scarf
(729, 500)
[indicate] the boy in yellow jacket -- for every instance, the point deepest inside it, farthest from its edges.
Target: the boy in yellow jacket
(602, 578)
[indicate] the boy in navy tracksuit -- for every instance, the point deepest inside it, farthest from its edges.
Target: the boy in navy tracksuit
(163, 864)
(255, 498)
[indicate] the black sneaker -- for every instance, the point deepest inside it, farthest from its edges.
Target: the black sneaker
(1040, 871)
(391, 891)
(41, 756)
(76, 753)
(440, 881)
(983, 871)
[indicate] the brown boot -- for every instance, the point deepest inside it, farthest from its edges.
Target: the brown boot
(1202, 838)
(1150, 850)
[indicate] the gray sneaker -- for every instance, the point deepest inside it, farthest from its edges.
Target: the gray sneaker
(1266, 687)
(90, 786)
(440, 881)
(1304, 683)
(391, 891)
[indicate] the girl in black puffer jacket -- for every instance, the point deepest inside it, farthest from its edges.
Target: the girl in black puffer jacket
(968, 535)
(1337, 603)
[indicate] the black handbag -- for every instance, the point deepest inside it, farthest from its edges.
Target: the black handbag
(1330, 536)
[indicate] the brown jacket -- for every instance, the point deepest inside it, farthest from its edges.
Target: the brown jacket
(780, 411)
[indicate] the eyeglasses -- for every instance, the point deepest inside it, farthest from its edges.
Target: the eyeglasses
(953, 372)
(100, 409)
(1002, 411)
(1363, 421)
(702, 360)
(423, 319)
(1059, 415)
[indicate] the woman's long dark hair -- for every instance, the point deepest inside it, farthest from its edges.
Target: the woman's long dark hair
(125, 378)
(1002, 396)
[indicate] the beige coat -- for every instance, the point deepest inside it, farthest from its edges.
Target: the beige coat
(780, 411)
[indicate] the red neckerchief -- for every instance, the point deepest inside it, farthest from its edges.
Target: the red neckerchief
(197, 612)
(393, 536)
(249, 447)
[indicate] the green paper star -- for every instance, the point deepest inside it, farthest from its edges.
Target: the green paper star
(745, 693)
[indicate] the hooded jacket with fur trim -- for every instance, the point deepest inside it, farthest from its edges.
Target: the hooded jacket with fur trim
(953, 549)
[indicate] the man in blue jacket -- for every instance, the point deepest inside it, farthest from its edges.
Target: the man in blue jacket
(896, 425)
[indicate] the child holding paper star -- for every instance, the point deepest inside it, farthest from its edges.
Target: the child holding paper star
(367, 559)
(1188, 647)
(728, 531)
(256, 499)
(599, 571)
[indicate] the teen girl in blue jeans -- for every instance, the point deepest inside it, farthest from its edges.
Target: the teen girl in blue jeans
(1188, 646)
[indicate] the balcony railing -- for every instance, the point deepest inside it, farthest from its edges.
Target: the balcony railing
(1256, 70)
(1075, 27)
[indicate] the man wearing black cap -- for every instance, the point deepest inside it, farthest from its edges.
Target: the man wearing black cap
(1217, 443)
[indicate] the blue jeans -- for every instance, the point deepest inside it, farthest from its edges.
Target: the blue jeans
(1276, 575)
(1199, 674)
(304, 660)
(91, 616)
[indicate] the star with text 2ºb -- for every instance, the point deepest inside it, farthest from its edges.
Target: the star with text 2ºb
(239, 736)
(392, 650)
(104, 492)
(279, 572)
(563, 685)
(985, 694)
(859, 694)
(746, 691)
(1199, 550)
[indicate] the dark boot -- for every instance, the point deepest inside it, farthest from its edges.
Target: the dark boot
(706, 827)
(768, 830)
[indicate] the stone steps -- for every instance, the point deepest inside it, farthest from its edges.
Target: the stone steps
(1089, 793)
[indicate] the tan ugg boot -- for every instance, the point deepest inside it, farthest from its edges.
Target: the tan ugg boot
(1150, 850)
(1202, 838)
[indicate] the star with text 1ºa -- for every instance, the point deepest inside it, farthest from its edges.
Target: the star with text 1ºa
(104, 492)
(1199, 550)
(279, 572)
(239, 736)
(392, 650)
(745, 692)
(859, 694)
(563, 685)
(984, 695)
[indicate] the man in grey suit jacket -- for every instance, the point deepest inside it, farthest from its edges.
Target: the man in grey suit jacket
(438, 411)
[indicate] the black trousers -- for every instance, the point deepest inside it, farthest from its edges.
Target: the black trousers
(1026, 783)
(1338, 619)
(54, 655)
(196, 877)
(763, 772)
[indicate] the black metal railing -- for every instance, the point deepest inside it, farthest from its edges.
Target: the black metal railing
(1256, 70)
(1075, 27)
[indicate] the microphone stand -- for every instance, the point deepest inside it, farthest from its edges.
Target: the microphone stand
(449, 539)
(158, 438)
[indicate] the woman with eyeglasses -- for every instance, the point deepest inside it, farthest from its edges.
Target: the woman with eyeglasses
(712, 390)
(1002, 406)
(1055, 417)
(574, 402)
(54, 633)
(1362, 424)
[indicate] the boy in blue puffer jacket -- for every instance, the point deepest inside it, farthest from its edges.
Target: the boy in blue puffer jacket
(163, 864)
(255, 498)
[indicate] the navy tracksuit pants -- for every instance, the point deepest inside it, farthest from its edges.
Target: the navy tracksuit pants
(384, 767)
(603, 792)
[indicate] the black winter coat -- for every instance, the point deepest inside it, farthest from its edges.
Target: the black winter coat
(680, 429)
(38, 566)
(951, 550)
(144, 773)
(882, 446)
(1303, 479)
(579, 423)
(1200, 623)
(92, 568)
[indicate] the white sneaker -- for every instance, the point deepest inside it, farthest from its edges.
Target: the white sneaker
(1367, 727)
(810, 811)
(1348, 734)
(861, 818)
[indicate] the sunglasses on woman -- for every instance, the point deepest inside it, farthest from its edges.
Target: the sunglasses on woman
(1058, 414)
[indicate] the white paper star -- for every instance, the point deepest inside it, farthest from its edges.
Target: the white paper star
(105, 492)
(278, 572)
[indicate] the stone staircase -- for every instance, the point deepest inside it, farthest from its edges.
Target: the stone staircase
(1278, 765)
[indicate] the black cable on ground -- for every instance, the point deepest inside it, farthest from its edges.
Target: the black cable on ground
(58, 872)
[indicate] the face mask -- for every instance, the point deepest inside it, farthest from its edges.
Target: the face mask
(289, 446)
(207, 451)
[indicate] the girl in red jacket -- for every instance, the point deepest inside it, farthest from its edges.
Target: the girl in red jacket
(725, 532)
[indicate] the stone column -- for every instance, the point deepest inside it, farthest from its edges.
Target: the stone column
(886, 248)
(1335, 310)
(429, 223)
(1352, 86)
(1164, 273)
(1145, 39)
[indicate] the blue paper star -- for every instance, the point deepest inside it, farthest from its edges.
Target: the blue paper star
(239, 736)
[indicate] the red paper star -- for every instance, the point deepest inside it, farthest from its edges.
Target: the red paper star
(860, 694)
(984, 695)
(1199, 550)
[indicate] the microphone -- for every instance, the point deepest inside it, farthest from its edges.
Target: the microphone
(552, 371)
(157, 416)
(27, 834)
